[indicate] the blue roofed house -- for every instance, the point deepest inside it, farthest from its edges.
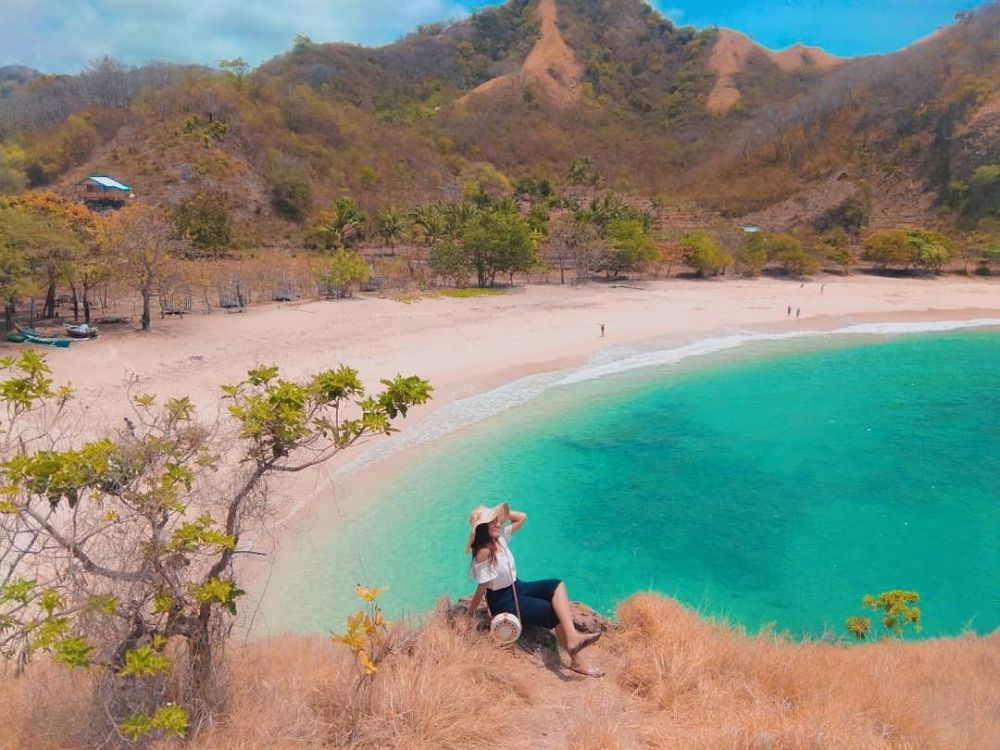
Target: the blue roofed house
(101, 192)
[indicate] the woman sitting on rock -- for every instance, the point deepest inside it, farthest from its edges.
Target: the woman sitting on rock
(542, 603)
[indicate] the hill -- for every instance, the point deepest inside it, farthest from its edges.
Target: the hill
(732, 54)
(673, 681)
(17, 73)
(704, 118)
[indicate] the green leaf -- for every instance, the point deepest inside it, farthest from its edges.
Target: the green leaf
(262, 375)
(191, 535)
(135, 726)
(49, 631)
(32, 385)
(144, 662)
(859, 627)
(106, 603)
(74, 652)
(171, 719)
(221, 591)
(180, 409)
(50, 600)
(145, 400)
(177, 474)
(17, 590)
(162, 602)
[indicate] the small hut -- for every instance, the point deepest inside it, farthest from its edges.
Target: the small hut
(374, 283)
(286, 288)
(233, 294)
(101, 192)
(178, 301)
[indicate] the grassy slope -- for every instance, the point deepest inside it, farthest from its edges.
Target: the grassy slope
(674, 681)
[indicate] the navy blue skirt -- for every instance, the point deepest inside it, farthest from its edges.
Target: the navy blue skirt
(535, 598)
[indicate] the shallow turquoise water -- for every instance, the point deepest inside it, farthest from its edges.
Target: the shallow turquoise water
(775, 486)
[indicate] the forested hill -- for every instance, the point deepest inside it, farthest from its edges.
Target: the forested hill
(608, 94)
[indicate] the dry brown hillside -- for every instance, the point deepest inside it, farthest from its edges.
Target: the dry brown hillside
(705, 118)
(550, 70)
(673, 681)
(731, 52)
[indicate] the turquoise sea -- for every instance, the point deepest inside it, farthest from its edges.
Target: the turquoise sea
(774, 483)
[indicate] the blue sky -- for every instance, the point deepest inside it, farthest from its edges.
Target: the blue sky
(62, 35)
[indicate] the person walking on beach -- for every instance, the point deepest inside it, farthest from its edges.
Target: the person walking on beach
(602, 330)
(821, 288)
(789, 311)
(543, 603)
(798, 311)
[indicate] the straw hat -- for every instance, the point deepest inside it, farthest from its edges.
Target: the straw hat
(483, 514)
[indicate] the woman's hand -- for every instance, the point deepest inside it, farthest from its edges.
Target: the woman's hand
(469, 616)
(517, 519)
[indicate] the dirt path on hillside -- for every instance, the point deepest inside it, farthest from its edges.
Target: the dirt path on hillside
(551, 65)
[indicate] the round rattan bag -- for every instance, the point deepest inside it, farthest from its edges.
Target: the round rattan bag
(505, 628)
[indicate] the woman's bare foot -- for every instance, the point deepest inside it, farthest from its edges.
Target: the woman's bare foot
(587, 670)
(585, 639)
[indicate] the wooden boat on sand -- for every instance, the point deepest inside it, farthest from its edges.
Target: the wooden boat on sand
(34, 338)
(80, 331)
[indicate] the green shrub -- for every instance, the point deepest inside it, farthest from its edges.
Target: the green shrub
(291, 194)
(705, 253)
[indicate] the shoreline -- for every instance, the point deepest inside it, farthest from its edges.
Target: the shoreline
(469, 347)
(356, 488)
(379, 458)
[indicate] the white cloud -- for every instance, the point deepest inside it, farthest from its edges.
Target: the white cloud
(62, 35)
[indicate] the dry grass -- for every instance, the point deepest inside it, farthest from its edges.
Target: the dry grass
(674, 681)
(710, 688)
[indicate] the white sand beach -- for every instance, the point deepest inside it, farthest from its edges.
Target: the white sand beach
(464, 346)
(469, 346)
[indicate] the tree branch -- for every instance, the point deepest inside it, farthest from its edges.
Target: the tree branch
(89, 565)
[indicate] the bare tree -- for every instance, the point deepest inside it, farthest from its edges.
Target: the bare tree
(113, 548)
(142, 248)
(106, 82)
(571, 245)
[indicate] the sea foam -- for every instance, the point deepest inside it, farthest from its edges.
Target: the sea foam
(606, 363)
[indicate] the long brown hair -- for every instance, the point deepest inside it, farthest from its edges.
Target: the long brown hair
(483, 539)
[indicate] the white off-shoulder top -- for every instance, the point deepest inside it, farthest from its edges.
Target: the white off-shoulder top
(501, 573)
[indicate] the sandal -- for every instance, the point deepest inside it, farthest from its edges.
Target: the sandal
(590, 671)
(588, 641)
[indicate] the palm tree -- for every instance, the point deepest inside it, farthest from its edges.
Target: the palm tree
(457, 215)
(348, 222)
(430, 221)
(391, 227)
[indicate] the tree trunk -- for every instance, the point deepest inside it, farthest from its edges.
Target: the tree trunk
(200, 650)
(76, 304)
(50, 298)
(146, 316)
(206, 693)
(8, 316)
(86, 305)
